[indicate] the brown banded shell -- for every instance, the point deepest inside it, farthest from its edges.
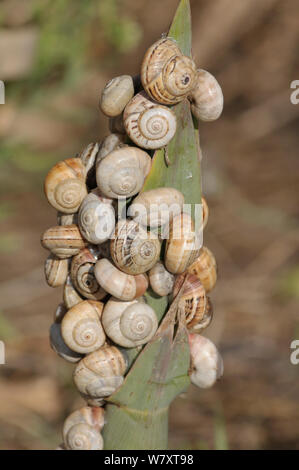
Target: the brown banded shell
(56, 271)
(205, 268)
(193, 301)
(206, 97)
(182, 246)
(206, 319)
(70, 296)
(82, 429)
(63, 241)
(166, 74)
(161, 280)
(65, 186)
(148, 124)
(133, 249)
(120, 285)
(83, 278)
(116, 94)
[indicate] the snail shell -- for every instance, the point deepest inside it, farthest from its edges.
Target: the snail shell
(193, 301)
(70, 295)
(122, 172)
(161, 280)
(120, 285)
(59, 313)
(82, 275)
(116, 125)
(63, 241)
(206, 363)
(206, 319)
(96, 219)
(88, 156)
(65, 186)
(81, 430)
(167, 75)
(207, 97)
(67, 219)
(58, 345)
(148, 124)
(205, 212)
(129, 324)
(133, 249)
(205, 268)
(116, 94)
(100, 373)
(110, 143)
(56, 271)
(157, 206)
(81, 327)
(182, 246)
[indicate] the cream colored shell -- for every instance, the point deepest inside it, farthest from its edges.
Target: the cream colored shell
(206, 363)
(148, 124)
(205, 268)
(161, 280)
(193, 302)
(207, 97)
(157, 206)
(129, 324)
(81, 327)
(110, 143)
(67, 219)
(83, 278)
(65, 186)
(88, 156)
(96, 219)
(133, 249)
(63, 241)
(56, 271)
(58, 345)
(116, 94)
(122, 172)
(122, 286)
(70, 296)
(82, 429)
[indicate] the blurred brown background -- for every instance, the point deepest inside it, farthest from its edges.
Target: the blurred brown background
(55, 57)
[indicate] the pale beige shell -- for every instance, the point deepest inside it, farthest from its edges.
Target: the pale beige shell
(122, 172)
(116, 125)
(205, 268)
(88, 156)
(193, 302)
(120, 285)
(116, 94)
(81, 327)
(81, 430)
(166, 74)
(129, 324)
(58, 345)
(148, 124)
(207, 97)
(96, 219)
(110, 143)
(65, 186)
(161, 280)
(157, 206)
(100, 373)
(133, 249)
(63, 241)
(67, 219)
(206, 319)
(205, 212)
(206, 363)
(83, 278)
(182, 246)
(56, 271)
(70, 295)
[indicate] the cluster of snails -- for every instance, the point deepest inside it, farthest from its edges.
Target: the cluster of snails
(108, 247)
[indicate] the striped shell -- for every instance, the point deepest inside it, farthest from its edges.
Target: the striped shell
(122, 172)
(206, 319)
(133, 249)
(148, 124)
(193, 302)
(206, 363)
(65, 186)
(56, 271)
(207, 97)
(120, 285)
(166, 74)
(161, 280)
(70, 296)
(205, 268)
(81, 430)
(96, 219)
(83, 278)
(116, 94)
(81, 327)
(63, 241)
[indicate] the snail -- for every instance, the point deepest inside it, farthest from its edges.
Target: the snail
(82, 429)
(88, 156)
(206, 363)
(120, 285)
(148, 124)
(161, 280)
(182, 246)
(129, 324)
(100, 373)
(58, 345)
(81, 327)
(116, 125)
(122, 172)
(63, 241)
(56, 271)
(193, 301)
(70, 295)
(67, 219)
(206, 98)
(205, 212)
(82, 275)
(205, 320)
(166, 74)
(156, 207)
(110, 143)
(116, 94)
(205, 268)
(96, 219)
(65, 186)
(133, 249)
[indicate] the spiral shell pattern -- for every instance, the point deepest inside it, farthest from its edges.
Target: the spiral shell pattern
(193, 301)
(96, 219)
(81, 430)
(58, 345)
(83, 278)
